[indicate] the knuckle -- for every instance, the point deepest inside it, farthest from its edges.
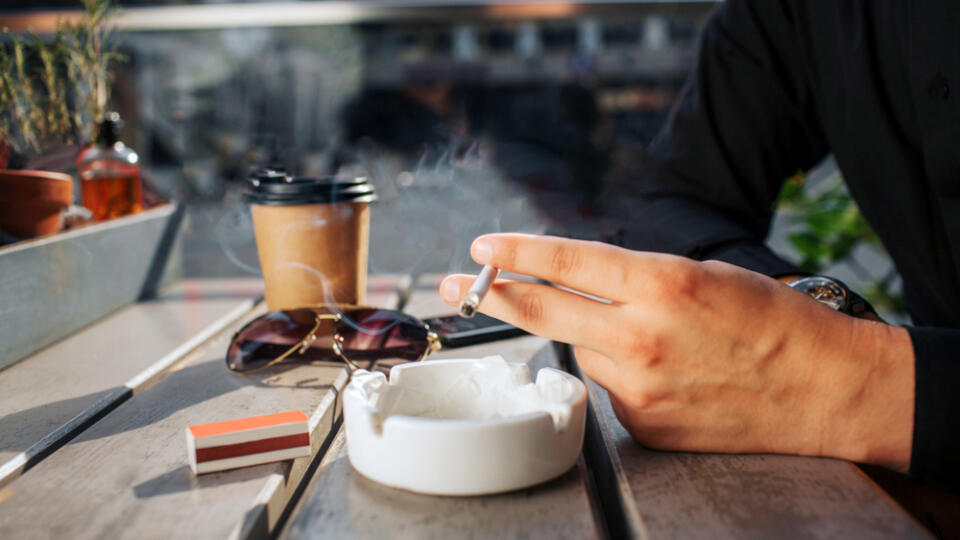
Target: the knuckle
(643, 349)
(643, 428)
(714, 266)
(531, 309)
(638, 397)
(566, 260)
(684, 282)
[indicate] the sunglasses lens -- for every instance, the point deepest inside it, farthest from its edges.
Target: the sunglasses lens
(269, 337)
(376, 335)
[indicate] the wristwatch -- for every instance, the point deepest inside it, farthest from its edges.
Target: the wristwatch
(834, 294)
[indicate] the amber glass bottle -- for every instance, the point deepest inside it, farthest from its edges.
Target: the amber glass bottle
(110, 174)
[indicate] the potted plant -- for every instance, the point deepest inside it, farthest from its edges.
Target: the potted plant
(52, 90)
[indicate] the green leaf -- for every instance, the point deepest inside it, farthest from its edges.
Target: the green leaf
(810, 246)
(827, 221)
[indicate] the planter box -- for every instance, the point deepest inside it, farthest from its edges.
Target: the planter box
(50, 287)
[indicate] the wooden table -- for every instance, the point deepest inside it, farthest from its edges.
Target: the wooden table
(92, 446)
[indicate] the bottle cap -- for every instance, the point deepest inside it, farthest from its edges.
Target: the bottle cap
(108, 129)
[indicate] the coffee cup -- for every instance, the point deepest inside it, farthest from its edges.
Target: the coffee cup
(313, 238)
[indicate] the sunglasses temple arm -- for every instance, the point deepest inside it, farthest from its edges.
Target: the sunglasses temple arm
(350, 365)
(302, 344)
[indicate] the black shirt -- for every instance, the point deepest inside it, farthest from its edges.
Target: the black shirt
(778, 85)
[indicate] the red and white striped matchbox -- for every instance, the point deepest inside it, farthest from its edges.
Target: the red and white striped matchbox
(248, 441)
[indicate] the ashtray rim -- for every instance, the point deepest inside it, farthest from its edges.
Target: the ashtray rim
(394, 379)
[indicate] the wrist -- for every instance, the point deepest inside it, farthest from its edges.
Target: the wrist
(789, 278)
(872, 415)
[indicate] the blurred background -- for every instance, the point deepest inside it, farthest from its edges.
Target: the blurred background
(468, 116)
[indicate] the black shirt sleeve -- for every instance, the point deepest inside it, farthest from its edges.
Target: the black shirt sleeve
(743, 123)
(936, 428)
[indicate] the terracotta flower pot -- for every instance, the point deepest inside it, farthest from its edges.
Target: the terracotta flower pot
(32, 202)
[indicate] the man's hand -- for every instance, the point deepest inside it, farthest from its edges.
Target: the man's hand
(709, 356)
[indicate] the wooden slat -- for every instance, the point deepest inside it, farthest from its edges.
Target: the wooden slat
(127, 475)
(339, 503)
(686, 495)
(48, 397)
(613, 488)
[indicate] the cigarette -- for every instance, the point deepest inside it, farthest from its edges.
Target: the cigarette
(479, 289)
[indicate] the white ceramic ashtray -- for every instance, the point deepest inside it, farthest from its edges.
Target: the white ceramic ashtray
(464, 427)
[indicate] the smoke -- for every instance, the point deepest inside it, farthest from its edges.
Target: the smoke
(311, 279)
(427, 215)
(234, 234)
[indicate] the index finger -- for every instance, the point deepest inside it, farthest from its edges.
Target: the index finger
(591, 267)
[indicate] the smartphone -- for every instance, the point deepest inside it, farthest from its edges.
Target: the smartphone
(455, 331)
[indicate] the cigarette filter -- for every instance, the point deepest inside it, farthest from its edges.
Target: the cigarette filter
(248, 441)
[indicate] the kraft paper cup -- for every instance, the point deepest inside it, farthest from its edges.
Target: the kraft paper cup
(313, 238)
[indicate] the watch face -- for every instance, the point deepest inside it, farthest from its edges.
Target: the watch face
(824, 290)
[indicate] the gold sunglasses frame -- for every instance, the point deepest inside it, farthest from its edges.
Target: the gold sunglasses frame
(300, 347)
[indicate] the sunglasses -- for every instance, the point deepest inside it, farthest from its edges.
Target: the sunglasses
(361, 337)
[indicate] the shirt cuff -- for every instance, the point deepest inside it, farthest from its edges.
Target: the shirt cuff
(935, 457)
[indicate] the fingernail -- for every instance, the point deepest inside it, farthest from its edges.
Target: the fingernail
(482, 251)
(449, 291)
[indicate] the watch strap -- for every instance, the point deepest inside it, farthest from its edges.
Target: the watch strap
(857, 305)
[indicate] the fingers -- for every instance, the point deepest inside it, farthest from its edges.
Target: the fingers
(591, 267)
(601, 368)
(539, 309)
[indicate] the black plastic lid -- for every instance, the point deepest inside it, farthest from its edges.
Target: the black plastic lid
(274, 188)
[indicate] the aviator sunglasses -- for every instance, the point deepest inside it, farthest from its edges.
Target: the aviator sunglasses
(359, 336)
